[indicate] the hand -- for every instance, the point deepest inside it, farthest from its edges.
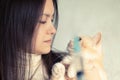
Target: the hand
(66, 74)
(60, 70)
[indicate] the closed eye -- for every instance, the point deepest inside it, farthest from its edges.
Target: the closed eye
(45, 19)
(42, 22)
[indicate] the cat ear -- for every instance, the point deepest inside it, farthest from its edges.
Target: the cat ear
(97, 39)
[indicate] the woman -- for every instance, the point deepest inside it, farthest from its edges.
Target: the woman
(26, 32)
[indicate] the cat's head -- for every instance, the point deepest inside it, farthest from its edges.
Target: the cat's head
(91, 43)
(87, 43)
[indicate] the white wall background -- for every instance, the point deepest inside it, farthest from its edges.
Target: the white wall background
(89, 17)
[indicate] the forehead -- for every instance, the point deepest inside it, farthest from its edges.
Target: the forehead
(49, 8)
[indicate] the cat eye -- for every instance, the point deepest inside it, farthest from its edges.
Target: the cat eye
(80, 38)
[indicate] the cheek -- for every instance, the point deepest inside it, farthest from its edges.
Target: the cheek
(39, 46)
(37, 42)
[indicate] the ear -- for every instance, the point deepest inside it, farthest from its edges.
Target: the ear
(97, 39)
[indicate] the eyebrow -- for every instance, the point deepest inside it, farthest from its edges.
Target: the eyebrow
(48, 15)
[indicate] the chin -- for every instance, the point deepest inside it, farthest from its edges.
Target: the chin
(43, 51)
(46, 52)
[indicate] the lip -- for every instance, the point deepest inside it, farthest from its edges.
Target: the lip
(48, 41)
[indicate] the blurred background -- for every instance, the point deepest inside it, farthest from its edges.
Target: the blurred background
(87, 17)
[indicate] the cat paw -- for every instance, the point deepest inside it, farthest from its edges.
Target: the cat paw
(70, 46)
(71, 72)
(58, 70)
(67, 60)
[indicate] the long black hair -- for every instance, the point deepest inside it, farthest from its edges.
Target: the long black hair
(18, 19)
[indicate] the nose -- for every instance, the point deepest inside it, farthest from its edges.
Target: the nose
(52, 29)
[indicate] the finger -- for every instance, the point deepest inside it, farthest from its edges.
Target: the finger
(70, 46)
(71, 72)
(67, 60)
(67, 78)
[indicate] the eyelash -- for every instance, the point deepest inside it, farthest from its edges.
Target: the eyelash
(44, 22)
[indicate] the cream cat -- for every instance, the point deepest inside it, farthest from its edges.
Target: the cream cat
(89, 60)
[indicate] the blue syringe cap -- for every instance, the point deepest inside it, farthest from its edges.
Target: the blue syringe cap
(76, 44)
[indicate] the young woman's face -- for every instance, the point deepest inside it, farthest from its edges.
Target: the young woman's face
(45, 30)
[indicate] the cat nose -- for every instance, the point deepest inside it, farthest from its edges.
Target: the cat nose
(80, 38)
